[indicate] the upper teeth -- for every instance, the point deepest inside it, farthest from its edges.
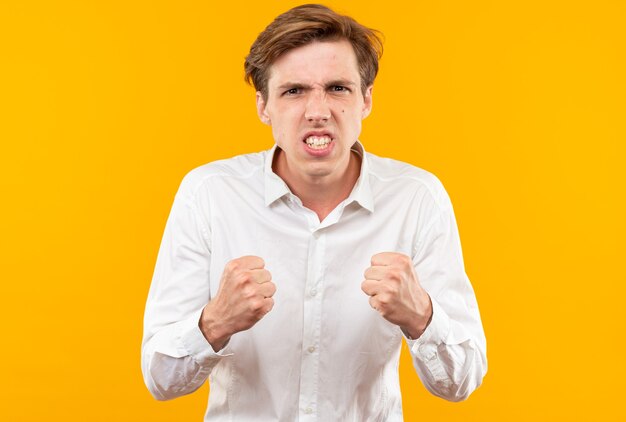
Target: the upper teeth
(317, 141)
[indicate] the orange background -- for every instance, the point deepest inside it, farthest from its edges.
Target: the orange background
(517, 106)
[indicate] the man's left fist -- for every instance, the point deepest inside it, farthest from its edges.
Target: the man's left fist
(395, 292)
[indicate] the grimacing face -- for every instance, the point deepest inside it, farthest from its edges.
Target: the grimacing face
(315, 107)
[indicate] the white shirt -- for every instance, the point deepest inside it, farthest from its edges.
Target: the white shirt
(322, 353)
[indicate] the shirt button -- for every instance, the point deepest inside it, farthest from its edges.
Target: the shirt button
(311, 349)
(313, 292)
(308, 410)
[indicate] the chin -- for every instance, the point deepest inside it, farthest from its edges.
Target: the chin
(319, 171)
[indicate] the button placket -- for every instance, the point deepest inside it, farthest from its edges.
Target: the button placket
(312, 326)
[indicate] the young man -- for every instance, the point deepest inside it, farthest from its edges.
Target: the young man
(289, 277)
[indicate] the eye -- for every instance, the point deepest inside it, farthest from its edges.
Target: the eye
(292, 91)
(339, 88)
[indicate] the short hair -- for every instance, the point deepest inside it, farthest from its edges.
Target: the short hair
(303, 25)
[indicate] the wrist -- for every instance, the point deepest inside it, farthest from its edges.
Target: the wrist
(420, 322)
(214, 332)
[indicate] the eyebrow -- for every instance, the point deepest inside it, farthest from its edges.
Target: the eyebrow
(299, 85)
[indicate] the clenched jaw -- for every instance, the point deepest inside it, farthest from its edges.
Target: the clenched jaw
(318, 142)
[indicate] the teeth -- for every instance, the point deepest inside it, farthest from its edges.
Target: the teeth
(318, 142)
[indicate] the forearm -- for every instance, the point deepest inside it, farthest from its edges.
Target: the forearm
(449, 358)
(177, 360)
(167, 377)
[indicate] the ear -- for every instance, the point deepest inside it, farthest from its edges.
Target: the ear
(367, 102)
(261, 109)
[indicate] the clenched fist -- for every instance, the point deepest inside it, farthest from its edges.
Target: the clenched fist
(395, 292)
(243, 298)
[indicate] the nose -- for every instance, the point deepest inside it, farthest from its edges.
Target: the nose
(317, 109)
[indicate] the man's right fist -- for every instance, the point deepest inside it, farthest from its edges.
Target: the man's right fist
(243, 298)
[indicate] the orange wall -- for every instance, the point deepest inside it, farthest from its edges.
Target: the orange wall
(517, 106)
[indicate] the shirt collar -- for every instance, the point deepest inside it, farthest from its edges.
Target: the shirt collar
(362, 191)
(276, 188)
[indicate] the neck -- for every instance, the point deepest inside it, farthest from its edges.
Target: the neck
(320, 194)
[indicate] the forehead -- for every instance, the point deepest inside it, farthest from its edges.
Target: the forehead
(317, 62)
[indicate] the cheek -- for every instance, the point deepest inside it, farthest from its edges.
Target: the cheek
(281, 135)
(354, 125)
(277, 134)
(285, 123)
(351, 117)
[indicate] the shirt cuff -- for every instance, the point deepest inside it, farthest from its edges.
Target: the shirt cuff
(196, 345)
(425, 347)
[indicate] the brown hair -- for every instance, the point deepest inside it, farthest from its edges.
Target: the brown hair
(306, 24)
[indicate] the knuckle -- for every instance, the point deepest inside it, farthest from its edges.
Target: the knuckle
(247, 292)
(256, 305)
(231, 266)
(394, 275)
(405, 261)
(243, 277)
(368, 288)
(255, 261)
(272, 288)
(397, 259)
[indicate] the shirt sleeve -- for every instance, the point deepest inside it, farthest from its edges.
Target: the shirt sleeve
(450, 356)
(176, 359)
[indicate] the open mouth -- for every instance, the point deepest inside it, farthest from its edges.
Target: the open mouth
(318, 142)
